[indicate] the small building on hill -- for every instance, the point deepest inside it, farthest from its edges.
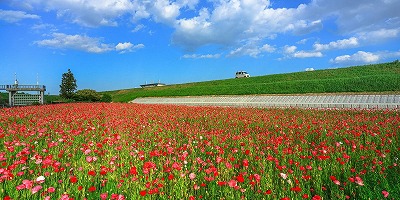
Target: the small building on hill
(152, 85)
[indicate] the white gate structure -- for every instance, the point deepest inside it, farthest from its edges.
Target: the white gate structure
(22, 99)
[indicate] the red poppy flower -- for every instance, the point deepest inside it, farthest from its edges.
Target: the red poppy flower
(92, 173)
(240, 178)
(143, 193)
(133, 171)
(296, 189)
(73, 179)
(92, 189)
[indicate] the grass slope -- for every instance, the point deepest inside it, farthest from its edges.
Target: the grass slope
(383, 77)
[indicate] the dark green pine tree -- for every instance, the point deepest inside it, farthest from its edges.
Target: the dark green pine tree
(68, 85)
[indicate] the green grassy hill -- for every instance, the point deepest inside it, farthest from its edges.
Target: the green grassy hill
(383, 77)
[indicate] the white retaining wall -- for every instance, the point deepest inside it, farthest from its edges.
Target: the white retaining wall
(303, 101)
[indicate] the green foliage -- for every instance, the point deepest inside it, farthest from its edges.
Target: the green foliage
(87, 95)
(3, 98)
(68, 85)
(106, 98)
(383, 77)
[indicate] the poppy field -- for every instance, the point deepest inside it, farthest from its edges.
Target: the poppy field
(131, 151)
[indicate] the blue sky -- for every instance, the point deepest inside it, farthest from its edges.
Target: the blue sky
(118, 44)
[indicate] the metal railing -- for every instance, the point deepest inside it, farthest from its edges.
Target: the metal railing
(23, 87)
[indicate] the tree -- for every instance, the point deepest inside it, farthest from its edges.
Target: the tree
(87, 95)
(106, 98)
(68, 85)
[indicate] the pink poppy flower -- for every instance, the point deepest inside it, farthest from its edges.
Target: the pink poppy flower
(358, 180)
(51, 190)
(385, 193)
(36, 189)
(192, 176)
(89, 159)
(103, 196)
(28, 183)
(232, 183)
(21, 187)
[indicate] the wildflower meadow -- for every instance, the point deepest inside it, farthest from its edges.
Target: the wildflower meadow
(131, 151)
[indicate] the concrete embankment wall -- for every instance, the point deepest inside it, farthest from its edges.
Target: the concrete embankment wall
(303, 101)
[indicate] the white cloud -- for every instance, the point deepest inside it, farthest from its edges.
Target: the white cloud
(362, 57)
(289, 49)
(302, 27)
(339, 44)
(12, 16)
(89, 13)
(377, 36)
(226, 23)
(191, 4)
(303, 41)
(127, 47)
(356, 15)
(232, 23)
(123, 46)
(305, 54)
(309, 69)
(84, 43)
(362, 39)
(138, 28)
(77, 42)
(164, 11)
(251, 49)
(267, 48)
(359, 57)
(198, 56)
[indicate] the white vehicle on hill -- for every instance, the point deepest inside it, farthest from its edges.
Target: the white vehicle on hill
(242, 74)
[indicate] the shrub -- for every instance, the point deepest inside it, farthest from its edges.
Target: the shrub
(87, 95)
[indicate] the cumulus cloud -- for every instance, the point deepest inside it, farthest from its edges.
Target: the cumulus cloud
(77, 42)
(88, 13)
(359, 57)
(365, 15)
(305, 54)
(232, 23)
(225, 23)
(362, 38)
(199, 56)
(289, 49)
(302, 27)
(127, 47)
(339, 44)
(84, 43)
(251, 50)
(12, 16)
(309, 69)
(165, 11)
(362, 57)
(290, 52)
(379, 35)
